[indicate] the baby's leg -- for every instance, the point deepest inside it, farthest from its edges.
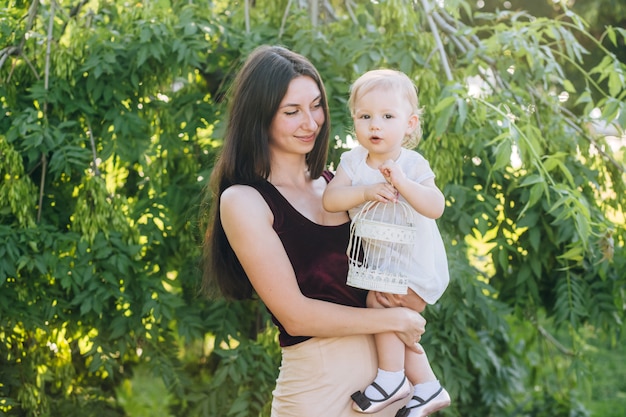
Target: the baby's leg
(390, 384)
(389, 347)
(418, 368)
(428, 394)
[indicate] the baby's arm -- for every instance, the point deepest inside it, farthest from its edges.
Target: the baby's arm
(341, 195)
(425, 197)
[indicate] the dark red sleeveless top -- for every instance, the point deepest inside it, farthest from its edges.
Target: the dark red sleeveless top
(317, 254)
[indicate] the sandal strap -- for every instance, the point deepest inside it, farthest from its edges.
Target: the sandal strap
(364, 402)
(405, 411)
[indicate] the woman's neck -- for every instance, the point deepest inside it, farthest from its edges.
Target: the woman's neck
(285, 172)
(281, 178)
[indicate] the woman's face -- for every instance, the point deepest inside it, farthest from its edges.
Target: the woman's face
(299, 117)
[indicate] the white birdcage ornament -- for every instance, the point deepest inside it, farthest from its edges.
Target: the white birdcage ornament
(382, 237)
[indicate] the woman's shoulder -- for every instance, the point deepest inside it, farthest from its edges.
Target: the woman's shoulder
(241, 195)
(243, 204)
(239, 189)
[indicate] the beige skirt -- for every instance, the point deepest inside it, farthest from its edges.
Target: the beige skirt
(318, 376)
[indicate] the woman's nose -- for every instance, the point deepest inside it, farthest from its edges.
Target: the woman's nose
(310, 121)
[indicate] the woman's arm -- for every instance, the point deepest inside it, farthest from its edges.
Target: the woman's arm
(247, 222)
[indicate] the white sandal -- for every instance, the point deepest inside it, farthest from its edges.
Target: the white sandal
(364, 404)
(436, 402)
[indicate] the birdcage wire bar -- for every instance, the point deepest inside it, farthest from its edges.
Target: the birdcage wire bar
(382, 236)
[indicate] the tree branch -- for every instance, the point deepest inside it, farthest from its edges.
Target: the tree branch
(92, 141)
(330, 11)
(446, 24)
(42, 182)
(284, 21)
(435, 32)
(44, 159)
(73, 12)
(48, 48)
(6, 52)
(555, 342)
(314, 12)
(18, 50)
(570, 121)
(246, 10)
(349, 7)
(444, 21)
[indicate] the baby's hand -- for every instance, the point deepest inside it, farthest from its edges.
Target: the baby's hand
(392, 172)
(382, 192)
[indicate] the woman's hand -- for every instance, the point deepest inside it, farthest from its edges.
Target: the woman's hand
(414, 302)
(410, 300)
(412, 335)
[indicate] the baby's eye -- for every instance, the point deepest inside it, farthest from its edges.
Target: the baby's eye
(388, 116)
(365, 116)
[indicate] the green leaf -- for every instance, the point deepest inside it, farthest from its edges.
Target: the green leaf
(534, 238)
(611, 35)
(616, 82)
(574, 253)
(503, 155)
(569, 87)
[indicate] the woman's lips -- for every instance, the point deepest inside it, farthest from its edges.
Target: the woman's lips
(308, 138)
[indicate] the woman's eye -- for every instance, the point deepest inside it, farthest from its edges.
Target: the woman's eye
(291, 113)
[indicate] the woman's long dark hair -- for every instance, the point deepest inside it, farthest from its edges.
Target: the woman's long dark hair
(256, 93)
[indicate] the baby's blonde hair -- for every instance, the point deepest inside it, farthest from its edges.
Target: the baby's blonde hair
(389, 79)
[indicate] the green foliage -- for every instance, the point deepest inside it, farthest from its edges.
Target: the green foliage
(142, 395)
(608, 391)
(107, 141)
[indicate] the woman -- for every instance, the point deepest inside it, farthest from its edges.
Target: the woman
(271, 235)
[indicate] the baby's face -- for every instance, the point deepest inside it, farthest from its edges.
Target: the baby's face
(382, 119)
